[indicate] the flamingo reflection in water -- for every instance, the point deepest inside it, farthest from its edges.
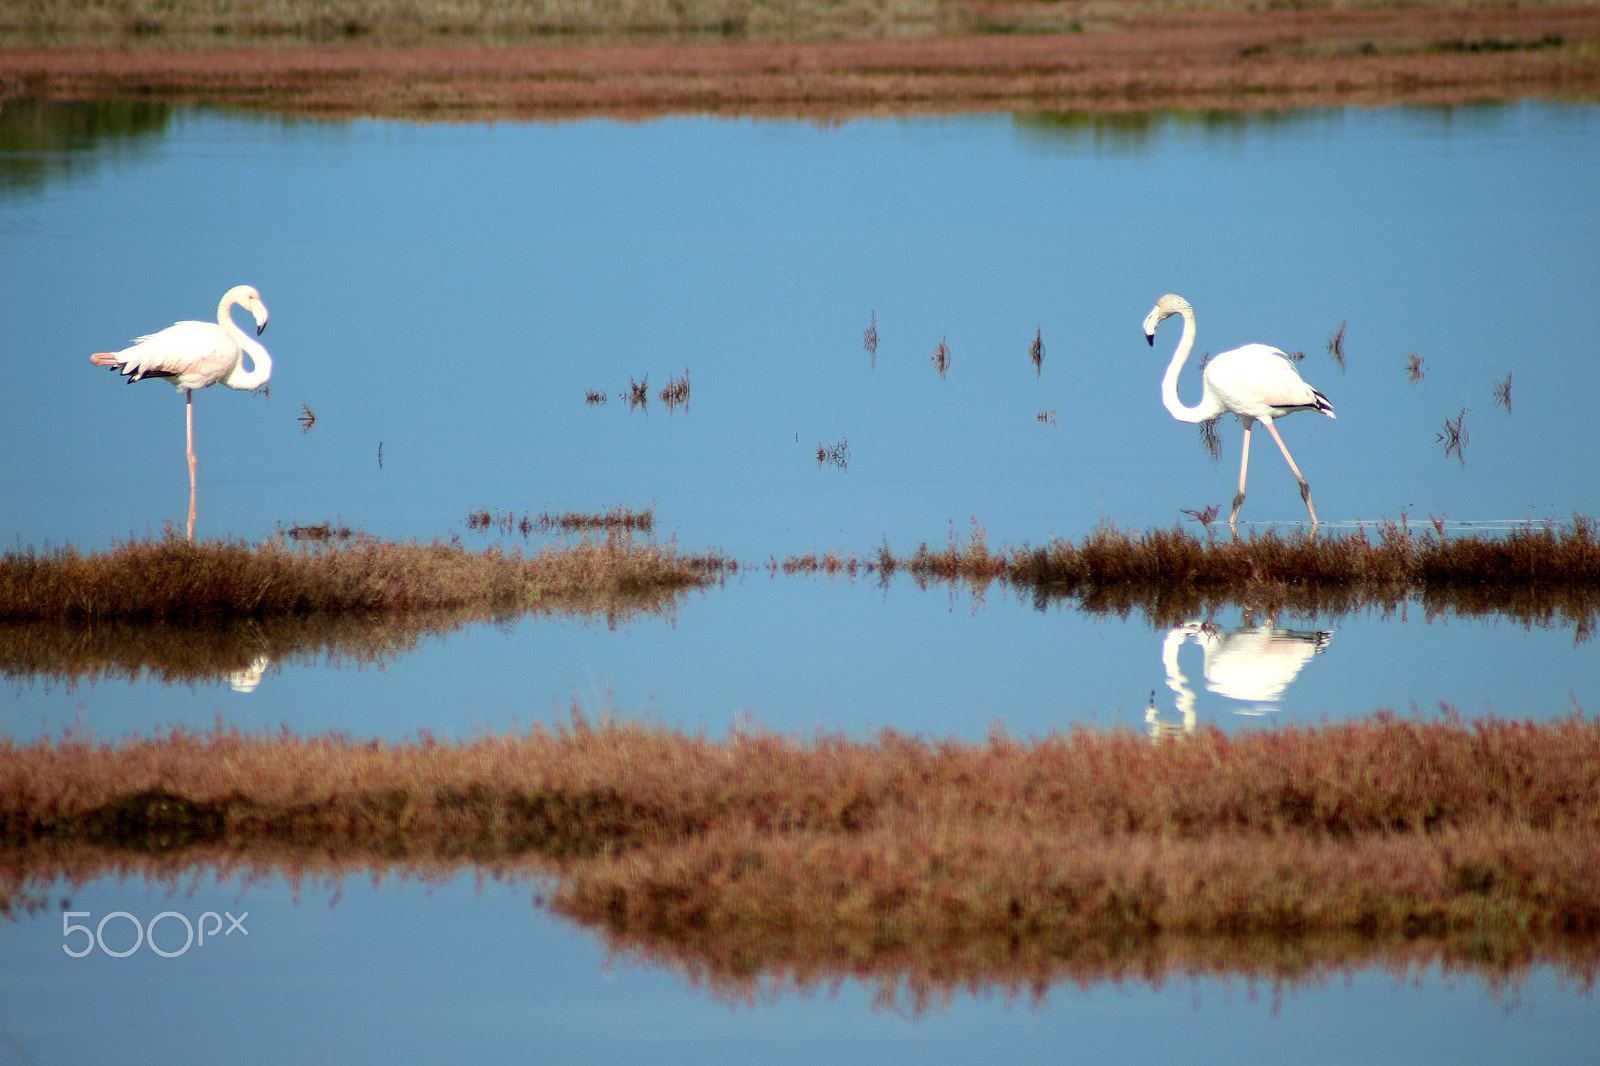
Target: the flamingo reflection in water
(247, 679)
(1253, 664)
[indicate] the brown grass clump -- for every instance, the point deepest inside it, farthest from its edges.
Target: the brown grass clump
(170, 580)
(194, 612)
(943, 864)
(1537, 574)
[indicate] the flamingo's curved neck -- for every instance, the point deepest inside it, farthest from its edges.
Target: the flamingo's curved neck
(260, 361)
(1208, 407)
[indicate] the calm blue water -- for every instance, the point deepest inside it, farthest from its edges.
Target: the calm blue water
(442, 298)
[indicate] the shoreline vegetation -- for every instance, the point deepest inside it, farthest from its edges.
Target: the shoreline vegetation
(757, 862)
(565, 59)
(201, 612)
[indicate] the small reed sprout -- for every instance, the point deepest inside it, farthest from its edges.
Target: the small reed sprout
(834, 454)
(1036, 351)
(676, 392)
(1047, 417)
(1204, 517)
(1336, 347)
(1454, 436)
(307, 419)
(869, 339)
(941, 357)
(1502, 393)
(594, 397)
(1414, 371)
(638, 394)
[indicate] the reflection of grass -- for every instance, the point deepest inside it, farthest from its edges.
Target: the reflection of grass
(945, 862)
(1534, 574)
(77, 652)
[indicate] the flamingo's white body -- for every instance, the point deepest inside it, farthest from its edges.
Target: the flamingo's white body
(193, 355)
(1255, 382)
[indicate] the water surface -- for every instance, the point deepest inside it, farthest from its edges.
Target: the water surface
(444, 296)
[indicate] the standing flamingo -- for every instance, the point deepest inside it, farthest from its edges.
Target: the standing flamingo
(193, 355)
(1254, 382)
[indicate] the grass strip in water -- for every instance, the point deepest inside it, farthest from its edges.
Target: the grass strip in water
(171, 580)
(1007, 860)
(1536, 574)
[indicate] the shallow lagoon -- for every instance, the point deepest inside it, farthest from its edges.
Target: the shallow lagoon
(444, 296)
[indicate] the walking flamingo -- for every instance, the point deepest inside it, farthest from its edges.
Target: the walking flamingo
(1254, 382)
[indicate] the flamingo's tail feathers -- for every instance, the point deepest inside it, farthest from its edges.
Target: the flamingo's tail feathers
(1324, 404)
(134, 373)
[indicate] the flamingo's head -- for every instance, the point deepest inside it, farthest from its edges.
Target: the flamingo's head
(1165, 307)
(248, 298)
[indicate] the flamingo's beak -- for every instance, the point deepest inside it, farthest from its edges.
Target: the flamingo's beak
(1150, 339)
(262, 325)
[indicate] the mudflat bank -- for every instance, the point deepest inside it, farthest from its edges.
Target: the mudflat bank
(1146, 59)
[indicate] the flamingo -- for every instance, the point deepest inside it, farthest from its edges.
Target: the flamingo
(193, 355)
(1255, 382)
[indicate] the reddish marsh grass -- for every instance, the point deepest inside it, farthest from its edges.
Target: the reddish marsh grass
(1084, 854)
(1141, 56)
